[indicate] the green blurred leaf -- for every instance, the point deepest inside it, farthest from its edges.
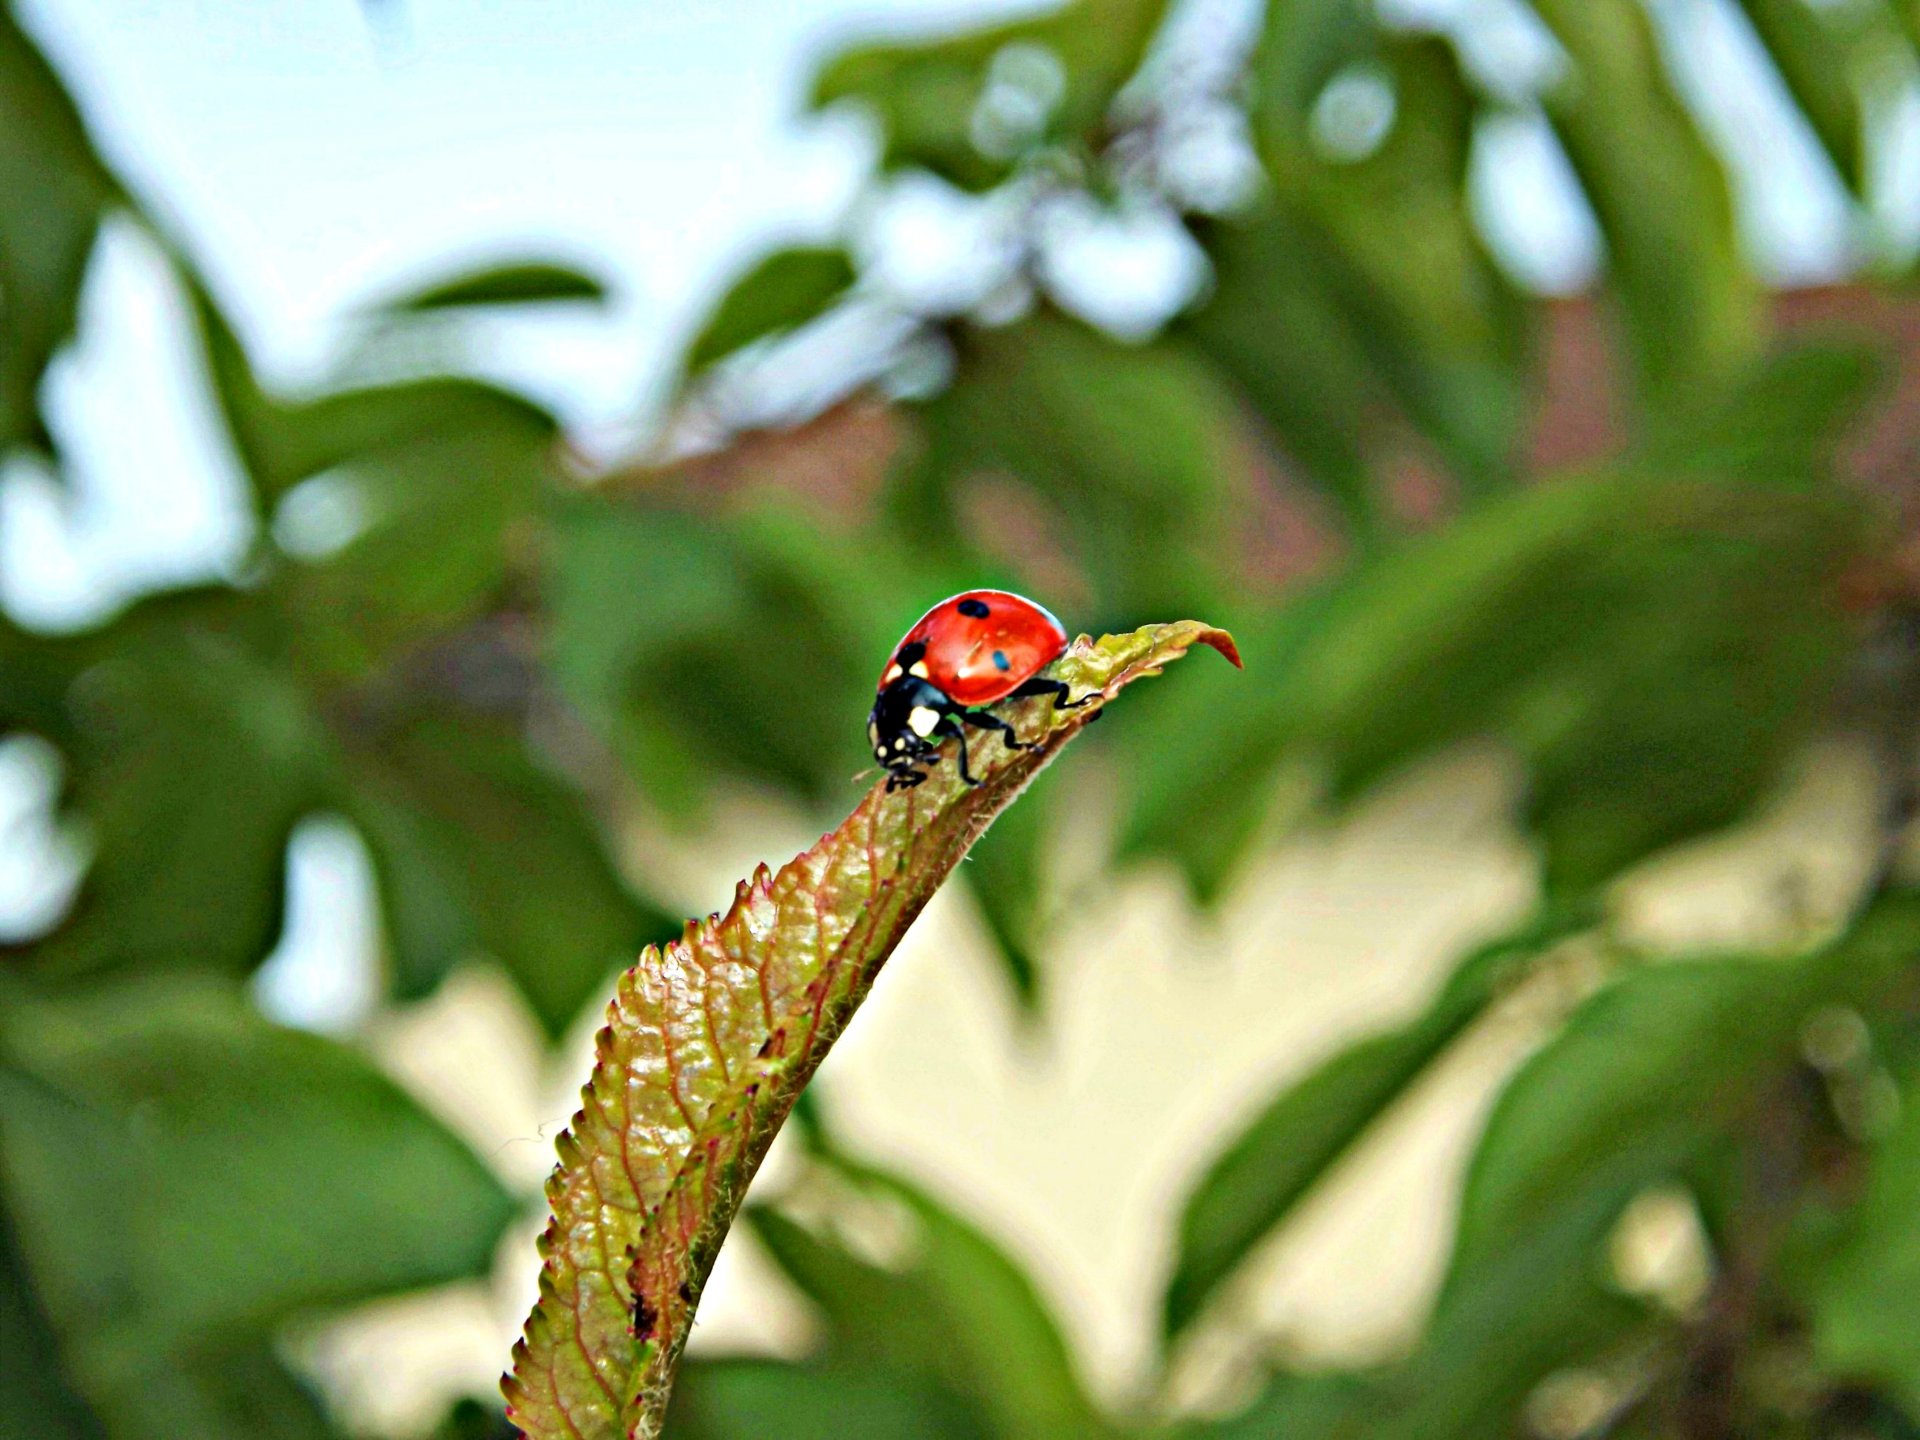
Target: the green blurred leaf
(1133, 449)
(1907, 14)
(435, 484)
(709, 1042)
(753, 1399)
(783, 290)
(452, 428)
(625, 589)
(447, 516)
(1006, 873)
(1655, 649)
(1691, 307)
(36, 1396)
(1536, 1307)
(1299, 1407)
(191, 761)
(1303, 44)
(1865, 1324)
(1203, 805)
(526, 282)
(1814, 53)
(239, 1392)
(477, 848)
(1389, 235)
(186, 1176)
(1531, 1313)
(929, 95)
(278, 1171)
(53, 193)
(957, 1310)
(469, 1419)
(1785, 421)
(1655, 1067)
(700, 647)
(1276, 1159)
(1273, 323)
(36, 678)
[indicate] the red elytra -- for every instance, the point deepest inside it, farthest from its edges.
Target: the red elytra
(979, 646)
(960, 657)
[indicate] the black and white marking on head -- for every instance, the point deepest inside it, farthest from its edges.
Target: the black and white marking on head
(974, 609)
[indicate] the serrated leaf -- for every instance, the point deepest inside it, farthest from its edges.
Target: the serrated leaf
(1274, 1161)
(956, 1309)
(709, 1042)
(781, 291)
(926, 94)
(527, 282)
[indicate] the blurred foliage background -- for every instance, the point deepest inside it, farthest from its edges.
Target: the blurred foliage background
(1655, 541)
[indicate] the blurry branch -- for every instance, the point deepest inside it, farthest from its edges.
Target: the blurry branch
(838, 459)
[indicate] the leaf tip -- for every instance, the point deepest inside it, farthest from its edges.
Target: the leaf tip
(1223, 642)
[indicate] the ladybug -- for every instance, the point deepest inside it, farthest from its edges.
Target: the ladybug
(964, 654)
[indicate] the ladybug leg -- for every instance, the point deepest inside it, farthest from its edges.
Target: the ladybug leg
(950, 725)
(1058, 689)
(987, 720)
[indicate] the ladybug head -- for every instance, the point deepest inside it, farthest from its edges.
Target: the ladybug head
(906, 714)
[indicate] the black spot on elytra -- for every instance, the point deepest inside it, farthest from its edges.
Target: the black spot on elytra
(644, 1316)
(910, 655)
(1000, 660)
(974, 609)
